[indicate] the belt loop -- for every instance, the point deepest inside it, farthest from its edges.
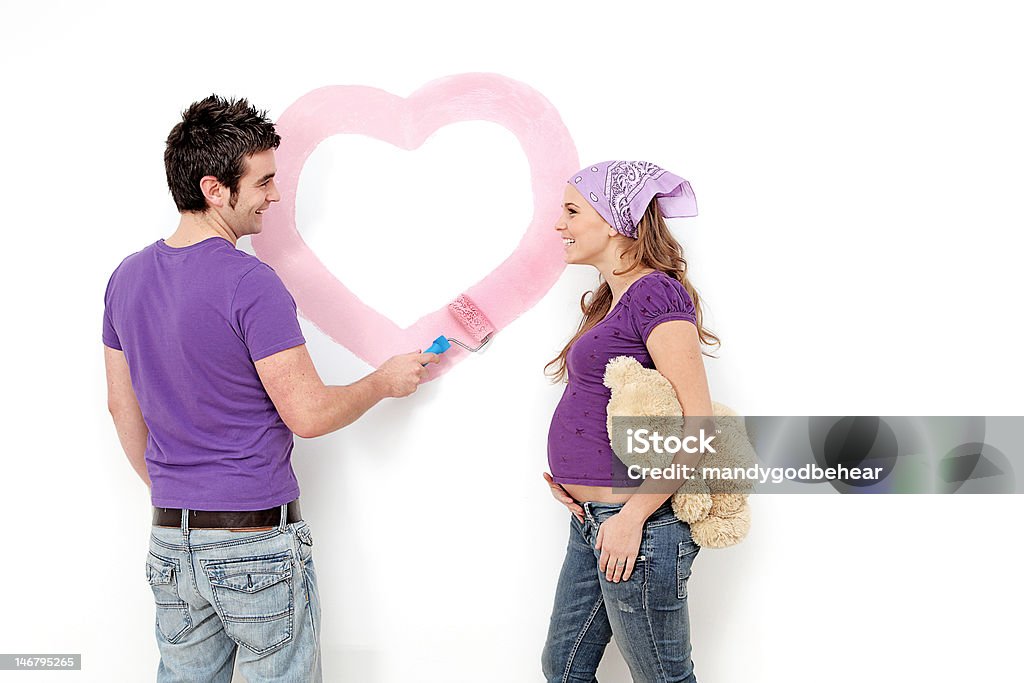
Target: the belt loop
(284, 517)
(184, 523)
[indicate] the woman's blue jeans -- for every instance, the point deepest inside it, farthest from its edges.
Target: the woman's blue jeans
(221, 593)
(647, 614)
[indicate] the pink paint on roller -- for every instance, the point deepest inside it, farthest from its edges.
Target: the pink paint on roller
(473, 321)
(509, 290)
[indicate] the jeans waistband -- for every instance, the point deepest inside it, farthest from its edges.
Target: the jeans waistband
(598, 512)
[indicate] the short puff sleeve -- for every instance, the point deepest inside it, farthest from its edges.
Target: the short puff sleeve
(264, 314)
(110, 337)
(658, 298)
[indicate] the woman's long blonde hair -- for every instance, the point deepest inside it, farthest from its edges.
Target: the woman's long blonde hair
(654, 247)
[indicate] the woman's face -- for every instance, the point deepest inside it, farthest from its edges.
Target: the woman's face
(586, 237)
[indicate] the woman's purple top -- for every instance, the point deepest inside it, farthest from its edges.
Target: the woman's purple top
(579, 451)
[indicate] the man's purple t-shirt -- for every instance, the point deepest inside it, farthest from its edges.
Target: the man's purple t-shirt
(579, 450)
(191, 322)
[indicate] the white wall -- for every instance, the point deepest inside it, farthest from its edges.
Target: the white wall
(858, 172)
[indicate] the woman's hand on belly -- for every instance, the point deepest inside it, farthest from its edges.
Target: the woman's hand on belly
(563, 497)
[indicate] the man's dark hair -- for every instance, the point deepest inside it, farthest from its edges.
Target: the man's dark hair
(214, 138)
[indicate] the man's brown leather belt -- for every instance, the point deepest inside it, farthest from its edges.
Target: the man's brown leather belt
(206, 519)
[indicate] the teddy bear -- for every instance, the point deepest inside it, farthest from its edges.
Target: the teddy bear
(717, 511)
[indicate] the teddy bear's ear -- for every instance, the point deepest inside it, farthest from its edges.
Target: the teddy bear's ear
(621, 371)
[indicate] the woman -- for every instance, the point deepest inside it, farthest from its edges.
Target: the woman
(628, 556)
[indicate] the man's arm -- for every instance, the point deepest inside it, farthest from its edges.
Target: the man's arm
(310, 408)
(124, 408)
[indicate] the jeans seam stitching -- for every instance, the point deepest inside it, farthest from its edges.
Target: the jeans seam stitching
(579, 638)
(654, 645)
(655, 525)
(644, 586)
(650, 625)
(301, 565)
(219, 544)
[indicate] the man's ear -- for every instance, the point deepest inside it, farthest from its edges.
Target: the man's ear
(214, 192)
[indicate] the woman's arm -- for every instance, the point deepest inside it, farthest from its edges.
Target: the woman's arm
(675, 349)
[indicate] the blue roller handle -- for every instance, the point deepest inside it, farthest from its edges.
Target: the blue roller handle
(440, 345)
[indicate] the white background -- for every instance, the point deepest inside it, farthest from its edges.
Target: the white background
(858, 171)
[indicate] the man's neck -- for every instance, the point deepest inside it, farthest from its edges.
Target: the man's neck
(195, 227)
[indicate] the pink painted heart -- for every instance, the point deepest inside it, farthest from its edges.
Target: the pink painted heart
(503, 295)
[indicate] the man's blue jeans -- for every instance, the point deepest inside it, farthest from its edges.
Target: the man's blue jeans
(221, 593)
(647, 614)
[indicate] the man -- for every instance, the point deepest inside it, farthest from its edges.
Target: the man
(208, 379)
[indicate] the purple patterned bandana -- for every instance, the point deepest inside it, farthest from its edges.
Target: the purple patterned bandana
(620, 190)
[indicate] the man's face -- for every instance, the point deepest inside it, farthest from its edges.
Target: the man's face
(256, 192)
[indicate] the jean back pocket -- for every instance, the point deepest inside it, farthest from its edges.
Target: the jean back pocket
(684, 561)
(172, 616)
(254, 599)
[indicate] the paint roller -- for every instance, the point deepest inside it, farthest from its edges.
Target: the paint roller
(476, 324)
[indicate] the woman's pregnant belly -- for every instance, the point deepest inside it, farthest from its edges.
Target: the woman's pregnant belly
(595, 494)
